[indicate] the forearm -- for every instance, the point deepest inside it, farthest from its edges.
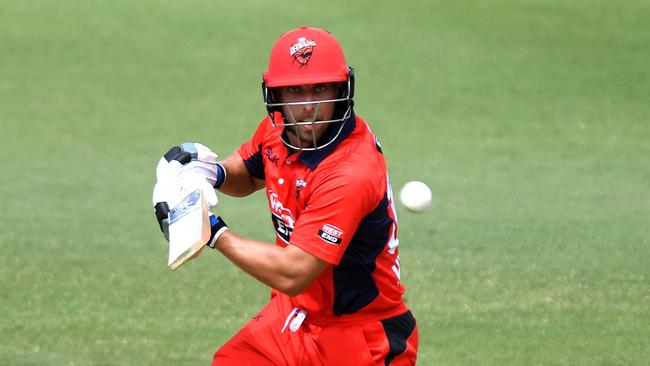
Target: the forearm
(282, 268)
(238, 181)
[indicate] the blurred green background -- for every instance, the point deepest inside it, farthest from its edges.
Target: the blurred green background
(528, 119)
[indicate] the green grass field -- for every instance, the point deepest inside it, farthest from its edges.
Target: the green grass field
(529, 119)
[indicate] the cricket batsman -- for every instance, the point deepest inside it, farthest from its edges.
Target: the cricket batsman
(334, 271)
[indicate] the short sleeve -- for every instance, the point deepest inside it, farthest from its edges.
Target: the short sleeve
(251, 150)
(333, 213)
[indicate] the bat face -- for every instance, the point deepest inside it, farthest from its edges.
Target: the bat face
(189, 228)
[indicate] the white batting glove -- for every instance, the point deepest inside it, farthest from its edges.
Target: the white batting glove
(179, 172)
(186, 182)
(203, 162)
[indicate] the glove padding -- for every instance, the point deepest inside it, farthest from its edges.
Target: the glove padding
(198, 159)
(182, 170)
(195, 157)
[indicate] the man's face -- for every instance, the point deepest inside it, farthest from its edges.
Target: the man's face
(310, 112)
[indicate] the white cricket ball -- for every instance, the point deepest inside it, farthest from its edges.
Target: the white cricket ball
(415, 196)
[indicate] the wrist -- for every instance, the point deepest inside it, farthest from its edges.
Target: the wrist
(218, 227)
(221, 176)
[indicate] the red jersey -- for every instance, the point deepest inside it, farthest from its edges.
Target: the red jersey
(336, 204)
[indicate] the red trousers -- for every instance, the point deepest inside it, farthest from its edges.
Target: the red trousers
(270, 339)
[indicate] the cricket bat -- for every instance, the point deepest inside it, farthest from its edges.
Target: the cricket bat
(189, 228)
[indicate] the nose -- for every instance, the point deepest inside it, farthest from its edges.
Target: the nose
(308, 97)
(310, 107)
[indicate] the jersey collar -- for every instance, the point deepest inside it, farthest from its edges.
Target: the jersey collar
(314, 157)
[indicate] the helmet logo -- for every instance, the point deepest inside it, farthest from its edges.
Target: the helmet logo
(301, 51)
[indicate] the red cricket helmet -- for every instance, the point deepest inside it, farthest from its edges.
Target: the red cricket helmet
(308, 56)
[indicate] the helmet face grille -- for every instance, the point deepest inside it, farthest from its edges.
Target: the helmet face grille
(342, 111)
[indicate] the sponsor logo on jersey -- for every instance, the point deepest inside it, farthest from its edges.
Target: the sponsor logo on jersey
(273, 158)
(282, 218)
(302, 50)
(331, 234)
(300, 185)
